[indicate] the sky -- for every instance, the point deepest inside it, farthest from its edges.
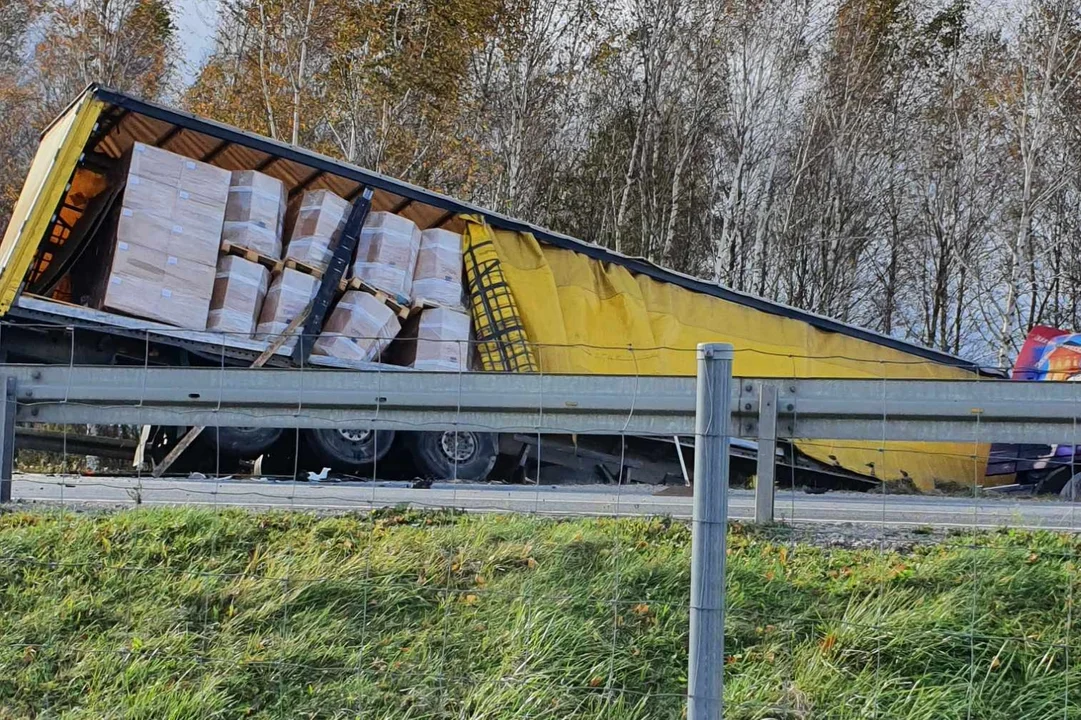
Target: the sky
(195, 22)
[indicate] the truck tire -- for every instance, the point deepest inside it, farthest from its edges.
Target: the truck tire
(350, 450)
(244, 443)
(1071, 491)
(1053, 481)
(453, 455)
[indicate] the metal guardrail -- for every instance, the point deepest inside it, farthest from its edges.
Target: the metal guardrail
(271, 397)
(872, 410)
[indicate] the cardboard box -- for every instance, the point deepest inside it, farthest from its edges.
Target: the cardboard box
(239, 288)
(437, 278)
(135, 260)
(201, 220)
(360, 328)
(186, 276)
(442, 341)
(387, 253)
(151, 163)
(150, 195)
(255, 213)
(289, 294)
(144, 227)
(315, 225)
(179, 305)
(132, 294)
(147, 282)
(206, 182)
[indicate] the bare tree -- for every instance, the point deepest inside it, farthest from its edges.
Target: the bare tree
(1049, 60)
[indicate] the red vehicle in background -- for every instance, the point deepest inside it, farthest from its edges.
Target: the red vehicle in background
(1048, 354)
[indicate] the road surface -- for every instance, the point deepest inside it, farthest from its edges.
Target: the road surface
(796, 507)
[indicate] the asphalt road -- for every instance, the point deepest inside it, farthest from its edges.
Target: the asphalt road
(795, 507)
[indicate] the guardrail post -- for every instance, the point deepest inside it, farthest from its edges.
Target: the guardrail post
(7, 439)
(705, 679)
(766, 478)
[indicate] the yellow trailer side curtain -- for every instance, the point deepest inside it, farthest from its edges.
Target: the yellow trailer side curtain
(585, 316)
(57, 156)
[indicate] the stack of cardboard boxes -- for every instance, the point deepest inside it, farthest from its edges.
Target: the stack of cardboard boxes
(387, 253)
(442, 341)
(165, 265)
(288, 296)
(438, 276)
(167, 238)
(255, 213)
(360, 328)
(315, 225)
(254, 217)
(239, 289)
(443, 331)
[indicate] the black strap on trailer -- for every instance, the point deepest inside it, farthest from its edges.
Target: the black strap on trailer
(332, 278)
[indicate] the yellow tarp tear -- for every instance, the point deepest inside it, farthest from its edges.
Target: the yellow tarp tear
(585, 316)
(501, 343)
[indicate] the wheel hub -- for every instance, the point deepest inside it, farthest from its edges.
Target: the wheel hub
(458, 446)
(355, 435)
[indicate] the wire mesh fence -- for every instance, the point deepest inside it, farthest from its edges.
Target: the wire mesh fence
(895, 582)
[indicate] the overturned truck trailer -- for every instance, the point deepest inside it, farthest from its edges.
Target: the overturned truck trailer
(531, 300)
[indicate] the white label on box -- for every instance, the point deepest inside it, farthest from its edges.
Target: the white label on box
(121, 245)
(170, 260)
(184, 195)
(166, 292)
(126, 212)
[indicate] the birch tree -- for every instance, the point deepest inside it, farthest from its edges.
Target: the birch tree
(1048, 66)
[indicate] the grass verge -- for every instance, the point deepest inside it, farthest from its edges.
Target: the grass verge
(181, 613)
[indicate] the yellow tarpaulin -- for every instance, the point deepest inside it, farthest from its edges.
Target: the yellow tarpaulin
(585, 316)
(56, 159)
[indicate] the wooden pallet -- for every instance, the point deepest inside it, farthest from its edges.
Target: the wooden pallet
(304, 268)
(272, 264)
(400, 305)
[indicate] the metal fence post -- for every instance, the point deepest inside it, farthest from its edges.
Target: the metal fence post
(705, 681)
(7, 438)
(766, 478)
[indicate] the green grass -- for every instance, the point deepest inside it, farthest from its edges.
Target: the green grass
(180, 613)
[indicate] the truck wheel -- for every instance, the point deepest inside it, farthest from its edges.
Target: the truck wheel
(454, 455)
(246, 443)
(349, 449)
(1071, 491)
